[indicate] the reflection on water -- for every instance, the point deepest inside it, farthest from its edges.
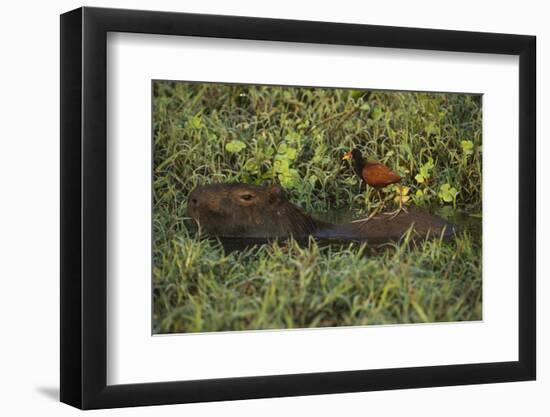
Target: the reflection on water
(339, 216)
(469, 222)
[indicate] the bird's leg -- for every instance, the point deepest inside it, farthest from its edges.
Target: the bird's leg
(382, 204)
(401, 207)
(378, 208)
(371, 215)
(366, 219)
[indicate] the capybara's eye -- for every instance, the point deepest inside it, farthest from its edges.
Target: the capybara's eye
(247, 197)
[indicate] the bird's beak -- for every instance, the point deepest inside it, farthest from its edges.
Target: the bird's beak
(346, 156)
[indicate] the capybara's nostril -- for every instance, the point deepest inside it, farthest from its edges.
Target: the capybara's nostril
(194, 201)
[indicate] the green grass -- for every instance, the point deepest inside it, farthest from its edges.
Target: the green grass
(205, 133)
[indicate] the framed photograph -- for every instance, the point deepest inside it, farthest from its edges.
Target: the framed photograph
(258, 208)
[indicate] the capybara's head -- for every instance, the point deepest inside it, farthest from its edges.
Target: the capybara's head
(242, 210)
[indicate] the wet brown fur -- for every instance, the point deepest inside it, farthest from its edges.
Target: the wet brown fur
(241, 210)
(249, 211)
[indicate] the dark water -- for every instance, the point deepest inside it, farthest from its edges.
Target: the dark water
(469, 222)
(463, 222)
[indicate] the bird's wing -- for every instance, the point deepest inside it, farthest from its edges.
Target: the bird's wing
(379, 174)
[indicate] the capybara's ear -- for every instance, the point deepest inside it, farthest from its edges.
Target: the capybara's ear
(274, 193)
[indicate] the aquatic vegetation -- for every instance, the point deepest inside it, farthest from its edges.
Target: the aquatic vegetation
(206, 133)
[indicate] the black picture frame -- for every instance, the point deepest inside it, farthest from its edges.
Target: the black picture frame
(84, 207)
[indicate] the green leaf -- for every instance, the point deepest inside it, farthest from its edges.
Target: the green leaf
(376, 113)
(292, 137)
(467, 147)
(425, 171)
(357, 94)
(447, 193)
(419, 178)
(268, 175)
(291, 153)
(285, 166)
(281, 165)
(251, 166)
(235, 146)
(447, 197)
(196, 122)
(289, 178)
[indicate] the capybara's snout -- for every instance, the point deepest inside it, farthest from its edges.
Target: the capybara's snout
(194, 203)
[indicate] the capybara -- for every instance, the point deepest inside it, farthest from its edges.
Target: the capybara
(250, 211)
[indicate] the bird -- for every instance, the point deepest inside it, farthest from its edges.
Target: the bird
(375, 174)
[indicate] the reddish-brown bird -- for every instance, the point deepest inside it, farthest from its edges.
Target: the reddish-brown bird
(374, 173)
